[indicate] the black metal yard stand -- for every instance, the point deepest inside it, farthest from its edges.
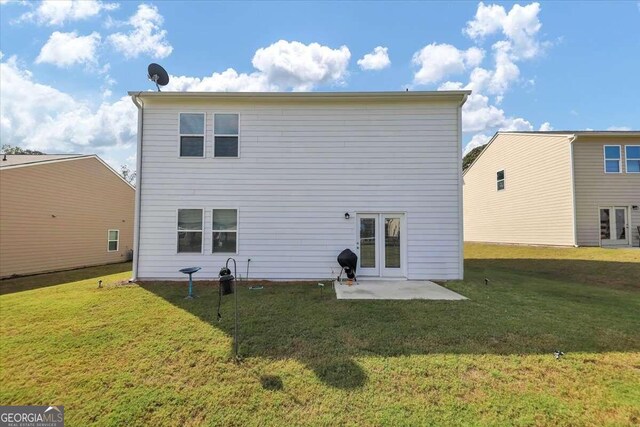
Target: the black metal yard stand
(228, 284)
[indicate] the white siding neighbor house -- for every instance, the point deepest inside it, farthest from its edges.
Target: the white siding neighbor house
(289, 180)
(555, 188)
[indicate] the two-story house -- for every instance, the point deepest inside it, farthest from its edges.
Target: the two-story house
(289, 180)
(555, 188)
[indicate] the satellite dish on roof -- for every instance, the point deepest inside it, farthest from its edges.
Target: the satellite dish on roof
(158, 75)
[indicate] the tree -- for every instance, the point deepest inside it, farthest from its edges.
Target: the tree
(471, 156)
(128, 174)
(10, 149)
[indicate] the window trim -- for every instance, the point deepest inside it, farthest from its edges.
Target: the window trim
(604, 155)
(504, 178)
(176, 231)
(203, 135)
(213, 142)
(237, 230)
(626, 158)
(117, 240)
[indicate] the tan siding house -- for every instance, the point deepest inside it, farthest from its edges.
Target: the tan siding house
(60, 212)
(555, 188)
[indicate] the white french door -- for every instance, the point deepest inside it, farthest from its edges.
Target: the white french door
(614, 226)
(380, 245)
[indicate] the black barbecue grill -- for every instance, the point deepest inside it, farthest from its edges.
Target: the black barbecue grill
(349, 262)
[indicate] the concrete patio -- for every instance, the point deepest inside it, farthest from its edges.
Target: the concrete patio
(395, 290)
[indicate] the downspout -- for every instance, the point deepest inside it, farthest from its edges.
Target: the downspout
(460, 187)
(573, 191)
(138, 201)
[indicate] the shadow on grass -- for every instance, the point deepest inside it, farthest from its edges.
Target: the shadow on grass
(518, 313)
(26, 283)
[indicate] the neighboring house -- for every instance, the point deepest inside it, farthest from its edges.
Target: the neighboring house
(60, 212)
(555, 188)
(289, 180)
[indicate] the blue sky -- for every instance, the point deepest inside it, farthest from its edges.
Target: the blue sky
(66, 66)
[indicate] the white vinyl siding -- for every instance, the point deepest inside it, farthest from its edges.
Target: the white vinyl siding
(304, 164)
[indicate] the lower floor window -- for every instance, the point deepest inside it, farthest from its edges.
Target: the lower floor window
(113, 238)
(225, 231)
(190, 230)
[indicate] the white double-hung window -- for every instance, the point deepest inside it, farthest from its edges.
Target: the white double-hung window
(192, 134)
(500, 180)
(226, 135)
(113, 240)
(612, 159)
(225, 231)
(190, 230)
(632, 156)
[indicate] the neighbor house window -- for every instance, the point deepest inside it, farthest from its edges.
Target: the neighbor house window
(225, 135)
(191, 134)
(612, 159)
(190, 230)
(500, 180)
(113, 240)
(632, 154)
(225, 231)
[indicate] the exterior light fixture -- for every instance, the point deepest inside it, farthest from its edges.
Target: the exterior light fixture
(346, 215)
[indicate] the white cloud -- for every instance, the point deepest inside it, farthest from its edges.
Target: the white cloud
(146, 36)
(227, 81)
(478, 115)
(294, 64)
(619, 128)
(476, 141)
(437, 61)
(53, 121)
(520, 26)
(546, 127)
(65, 49)
(281, 66)
(57, 12)
(376, 60)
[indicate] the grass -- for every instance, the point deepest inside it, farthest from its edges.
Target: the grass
(143, 355)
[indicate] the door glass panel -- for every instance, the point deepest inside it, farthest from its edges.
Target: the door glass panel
(392, 242)
(367, 242)
(605, 230)
(621, 231)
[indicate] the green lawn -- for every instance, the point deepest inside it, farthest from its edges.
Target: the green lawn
(143, 355)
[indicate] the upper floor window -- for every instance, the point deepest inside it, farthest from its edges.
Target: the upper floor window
(192, 134)
(500, 180)
(225, 231)
(225, 135)
(612, 159)
(113, 240)
(190, 230)
(632, 154)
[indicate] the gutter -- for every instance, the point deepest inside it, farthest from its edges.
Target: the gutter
(138, 201)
